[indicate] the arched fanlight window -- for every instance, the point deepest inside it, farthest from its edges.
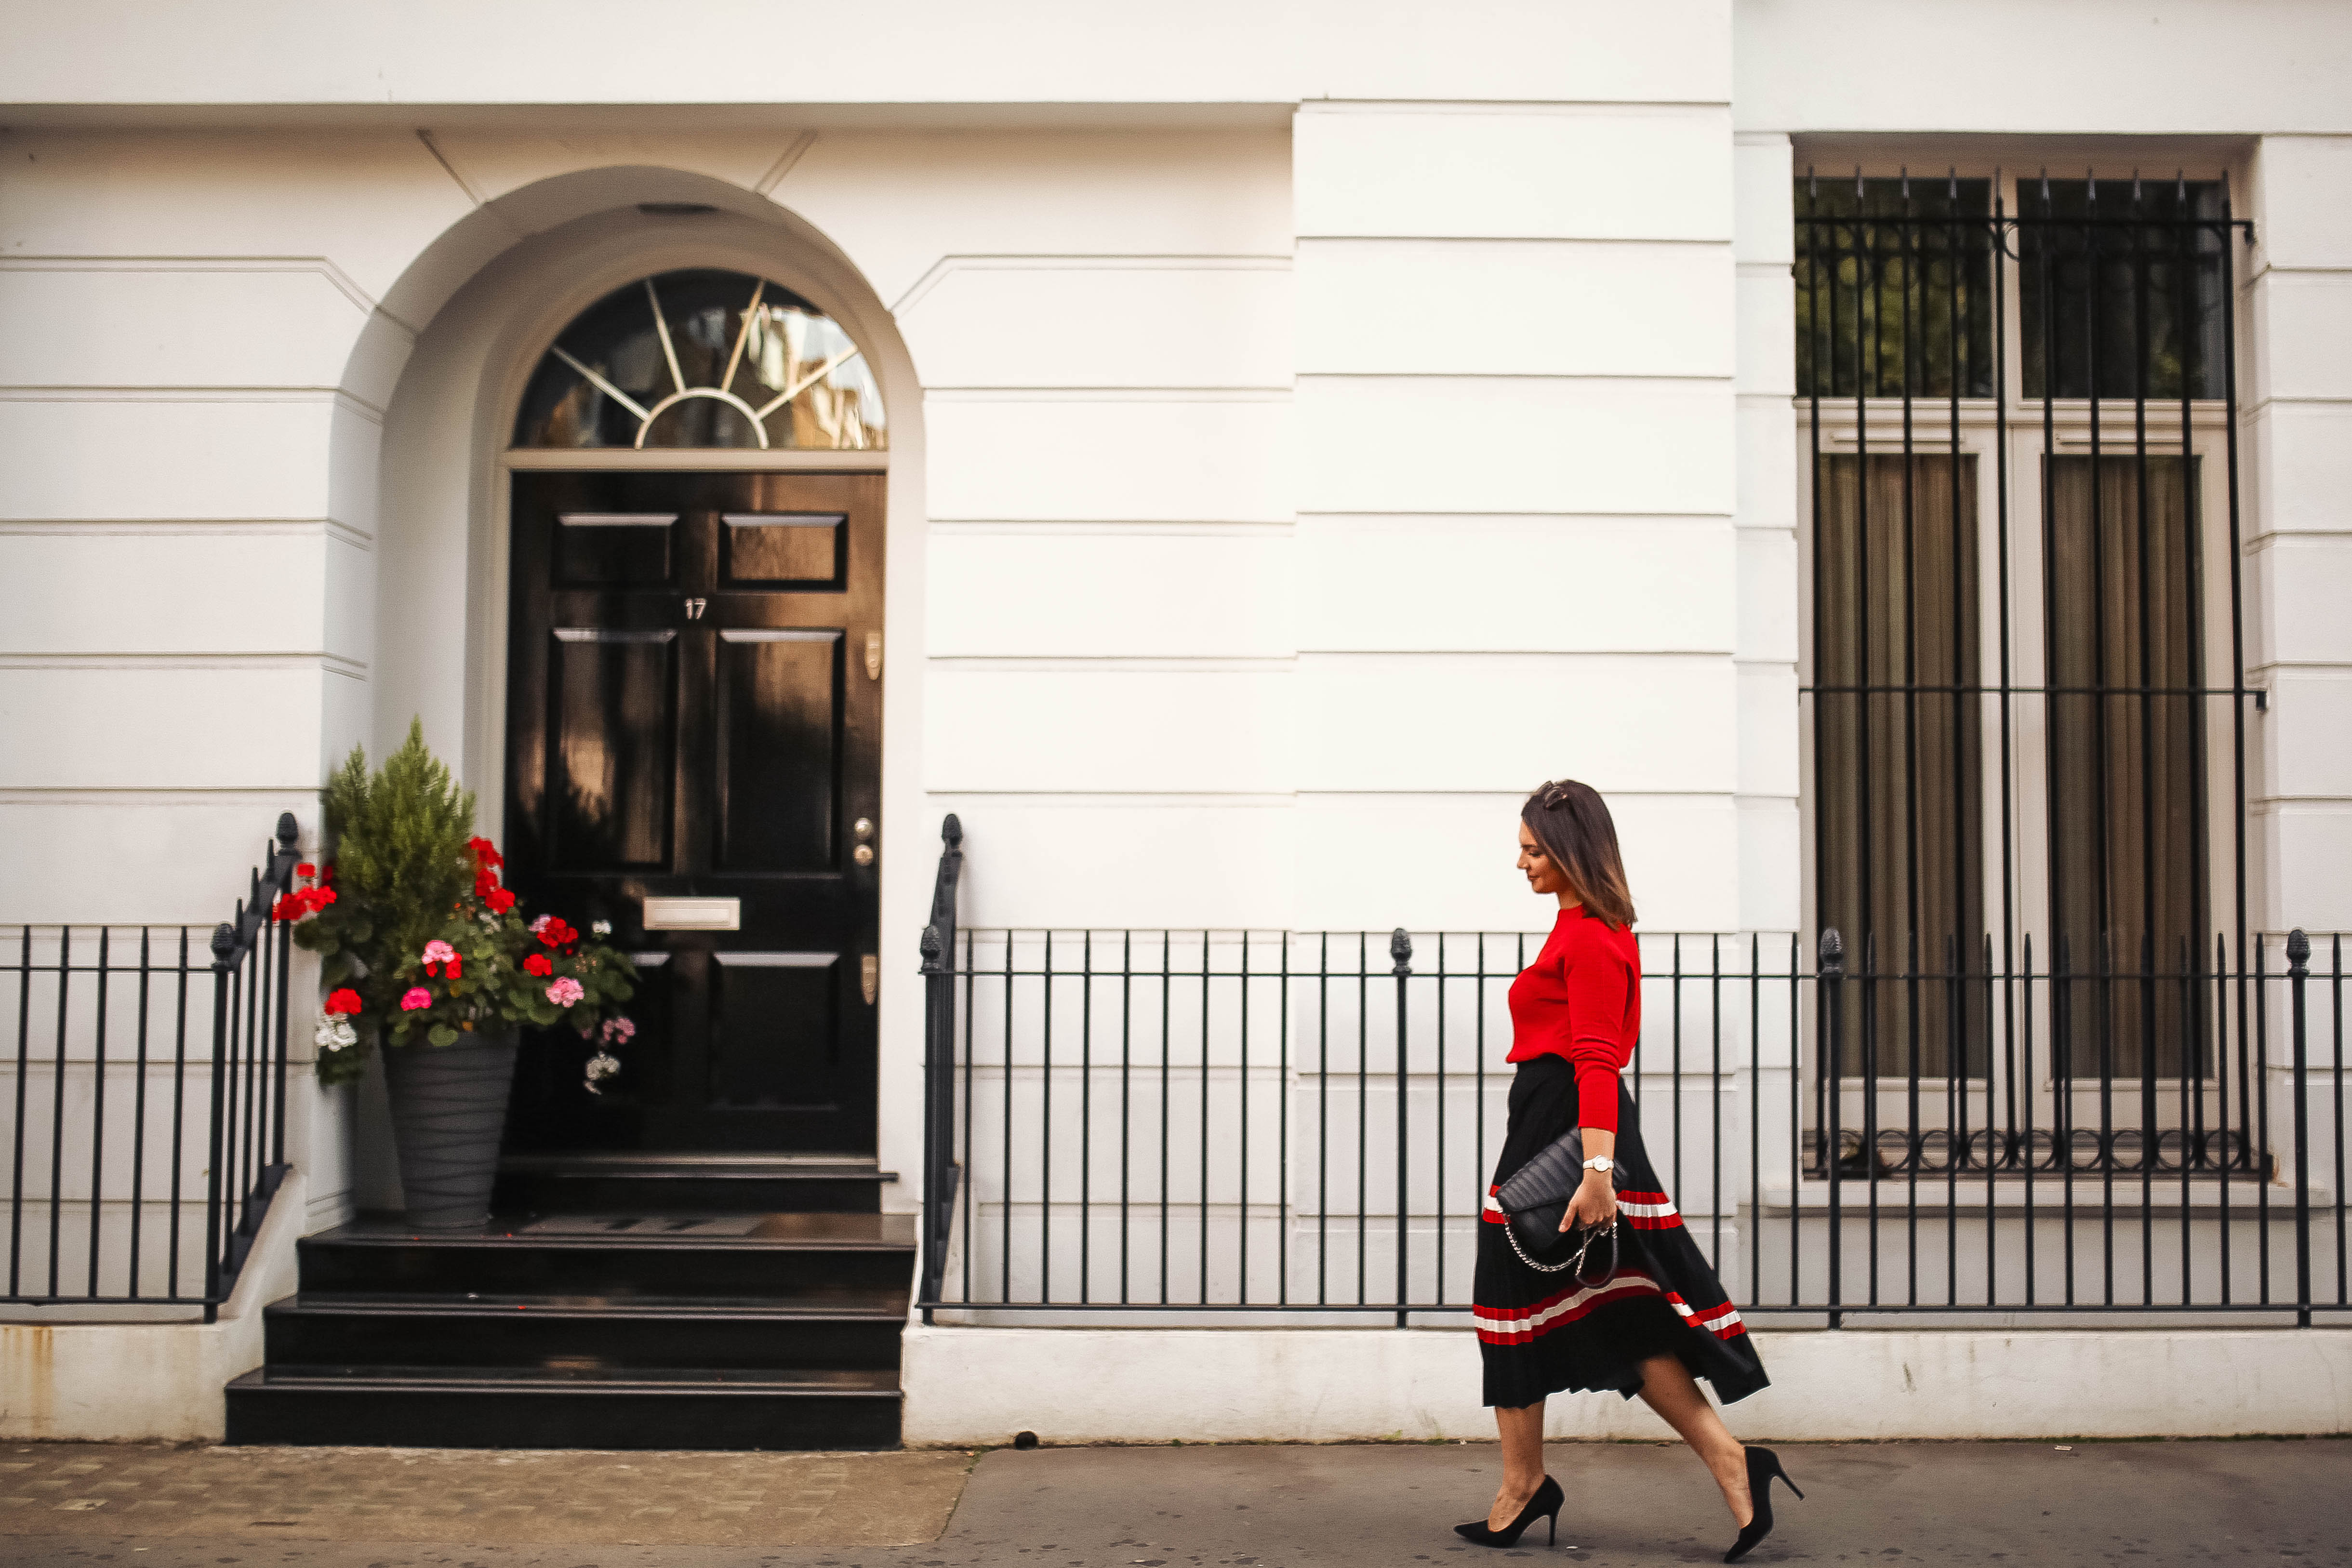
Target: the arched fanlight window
(703, 358)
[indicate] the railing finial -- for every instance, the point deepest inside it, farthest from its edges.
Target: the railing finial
(932, 947)
(223, 943)
(2298, 949)
(289, 830)
(1833, 952)
(952, 831)
(1400, 952)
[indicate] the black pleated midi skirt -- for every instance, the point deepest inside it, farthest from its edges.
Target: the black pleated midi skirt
(1546, 1333)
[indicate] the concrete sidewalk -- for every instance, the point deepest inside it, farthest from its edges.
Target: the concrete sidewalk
(1373, 1506)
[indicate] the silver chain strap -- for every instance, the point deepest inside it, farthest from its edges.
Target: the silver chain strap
(1574, 1260)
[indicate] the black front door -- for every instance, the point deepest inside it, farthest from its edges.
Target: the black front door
(694, 753)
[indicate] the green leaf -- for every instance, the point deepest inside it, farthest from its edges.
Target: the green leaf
(443, 1035)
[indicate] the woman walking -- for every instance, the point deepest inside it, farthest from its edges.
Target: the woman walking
(1658, 1318)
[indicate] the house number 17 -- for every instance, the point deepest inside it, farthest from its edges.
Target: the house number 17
(694, 608)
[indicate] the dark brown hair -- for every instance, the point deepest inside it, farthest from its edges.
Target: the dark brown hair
(1572, 824)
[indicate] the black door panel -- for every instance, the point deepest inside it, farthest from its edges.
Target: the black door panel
(692, 713)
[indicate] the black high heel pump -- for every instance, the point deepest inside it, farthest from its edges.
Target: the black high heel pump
(1763, 1469)
(1544, 1505)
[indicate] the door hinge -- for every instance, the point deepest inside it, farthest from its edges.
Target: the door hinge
(873, 656)
(869, 976)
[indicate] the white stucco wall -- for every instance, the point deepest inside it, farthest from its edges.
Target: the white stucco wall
(2298, 418)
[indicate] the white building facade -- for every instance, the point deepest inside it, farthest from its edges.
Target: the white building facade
(1277, 438)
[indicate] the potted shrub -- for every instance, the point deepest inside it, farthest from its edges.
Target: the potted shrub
(424, 952)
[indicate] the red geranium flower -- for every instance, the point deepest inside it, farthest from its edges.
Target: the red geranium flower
(500, 901)
(538, 963)
(306, 869)
(556, 933)
(300, 903)
(343, 999)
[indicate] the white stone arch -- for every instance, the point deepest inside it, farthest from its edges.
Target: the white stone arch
(440, 562)
(486, 298)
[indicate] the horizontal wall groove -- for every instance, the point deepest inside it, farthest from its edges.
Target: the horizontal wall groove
(1637, 378)
(274, 797)
(1269, 392)
(221, 527)
(1107, 395)
(1511, 106)
(950, 796)
(320, 264)
(1650, 652)
(1206, 663)
(1561, 240)
(1651, 519)
(1240, 800)
(1514, 794)
(2300, 667)
(1080, 261)
(1617, 514)
(1123, 664)
(969, 526)
(305, 659)
(255, 395)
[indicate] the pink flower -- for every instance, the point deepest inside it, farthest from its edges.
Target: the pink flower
(618, 1031)
(438, 952)
(418, 997)
(565, 992)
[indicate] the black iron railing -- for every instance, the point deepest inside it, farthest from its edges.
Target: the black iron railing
(1189, 1123)
(141, 1170)
(941, 1170)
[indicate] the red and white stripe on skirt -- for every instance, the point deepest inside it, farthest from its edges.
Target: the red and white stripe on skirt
(1525, 1325)
(1643, 1211)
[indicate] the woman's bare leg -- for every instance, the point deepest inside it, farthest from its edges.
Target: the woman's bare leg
(1523, 1464)
(1668, 1388)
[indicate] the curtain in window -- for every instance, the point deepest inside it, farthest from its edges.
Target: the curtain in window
(1897, 758)
(2128, 896)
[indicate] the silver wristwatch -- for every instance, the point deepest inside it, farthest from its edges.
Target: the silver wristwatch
(1600, 1162)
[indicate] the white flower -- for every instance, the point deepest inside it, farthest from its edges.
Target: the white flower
(601, 1067)
(600, 928)
(335, 1033)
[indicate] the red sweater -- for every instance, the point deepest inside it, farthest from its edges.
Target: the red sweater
(1581, 999)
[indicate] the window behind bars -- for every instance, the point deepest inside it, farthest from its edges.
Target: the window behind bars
(2016, 398)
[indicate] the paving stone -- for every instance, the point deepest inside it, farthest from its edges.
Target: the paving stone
(1631, 1505)
(470, 1496)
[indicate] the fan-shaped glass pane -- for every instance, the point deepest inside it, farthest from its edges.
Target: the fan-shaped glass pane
(703, 358)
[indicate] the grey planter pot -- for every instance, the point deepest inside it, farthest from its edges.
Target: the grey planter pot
(448, 1113)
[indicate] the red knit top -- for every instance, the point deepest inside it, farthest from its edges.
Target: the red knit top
(1581, 999)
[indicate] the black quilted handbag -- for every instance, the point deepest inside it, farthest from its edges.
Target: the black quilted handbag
(1534, 1202)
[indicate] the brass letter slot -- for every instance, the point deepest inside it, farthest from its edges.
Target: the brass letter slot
(694, 914)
